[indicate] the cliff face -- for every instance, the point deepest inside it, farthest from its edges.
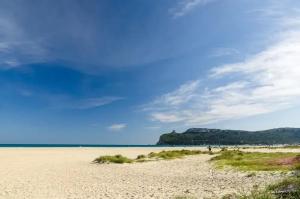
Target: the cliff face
(200, 136)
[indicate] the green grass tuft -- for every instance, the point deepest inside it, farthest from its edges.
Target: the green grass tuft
(119, 159)
(141, 157)
(166, 155)
(258, 195)
(288, 188)
(255, 161)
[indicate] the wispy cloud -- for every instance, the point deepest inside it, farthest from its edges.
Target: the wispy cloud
(117, 127)
(263, 83)
(67, 102)
(220, 52)
(183, 7)
(16, 48)
(180, 96)
(62, 101)
(95, 102)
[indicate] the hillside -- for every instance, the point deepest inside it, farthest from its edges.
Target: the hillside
(200, 136)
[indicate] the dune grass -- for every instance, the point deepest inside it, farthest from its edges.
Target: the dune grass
(273, 147)
(119, 159)
(166, 155)
(256, 195)
(290, 147)
(162, 155)
(288, 188)
(256, 161)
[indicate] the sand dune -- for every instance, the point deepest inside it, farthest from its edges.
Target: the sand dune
(60, 173)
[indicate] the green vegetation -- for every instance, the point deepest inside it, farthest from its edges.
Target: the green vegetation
(184, 197)
(290, 184)
(119, 159)
(272, 147)
(165, 155)
(255, 161)
(256, 194)
(174, 154)
(203, 136)
(289, 188)
(141, 157)
(280, 147)
(290, 147)
(286, 189)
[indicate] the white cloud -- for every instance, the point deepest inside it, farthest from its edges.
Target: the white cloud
(167, 117)
(117, 127)
(266, 82)
(185, 6)
(180, 96)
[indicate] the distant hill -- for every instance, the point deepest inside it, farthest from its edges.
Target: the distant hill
(200, 136)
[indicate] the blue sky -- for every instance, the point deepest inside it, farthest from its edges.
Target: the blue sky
(124, 72)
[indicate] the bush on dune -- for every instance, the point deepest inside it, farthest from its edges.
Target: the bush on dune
(141, 157)
(174, 154)
(165, 155)
(119, 159)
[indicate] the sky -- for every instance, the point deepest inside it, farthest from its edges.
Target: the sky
(124, 72)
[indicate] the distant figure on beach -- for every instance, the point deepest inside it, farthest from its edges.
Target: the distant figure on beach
(209, 148)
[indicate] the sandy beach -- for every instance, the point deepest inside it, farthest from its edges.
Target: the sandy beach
(62, 173)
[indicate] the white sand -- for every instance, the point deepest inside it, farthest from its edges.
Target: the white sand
(41, 173)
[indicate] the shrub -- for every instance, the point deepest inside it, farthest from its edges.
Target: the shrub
(113, 159)
(140, 157)
(173, 154)
(288, 188)
(258, 195)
